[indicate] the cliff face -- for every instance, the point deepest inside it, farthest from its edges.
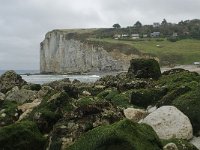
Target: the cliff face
(61, 54)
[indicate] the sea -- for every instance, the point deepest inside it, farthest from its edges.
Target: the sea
(33, 76)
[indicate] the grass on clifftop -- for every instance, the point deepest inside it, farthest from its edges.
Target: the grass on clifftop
(184, 51)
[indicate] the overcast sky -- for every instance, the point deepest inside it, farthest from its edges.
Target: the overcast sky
(24, 23)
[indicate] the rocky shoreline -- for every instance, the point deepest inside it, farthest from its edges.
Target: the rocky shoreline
(139, 109)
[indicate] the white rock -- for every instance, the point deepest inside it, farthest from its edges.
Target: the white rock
(3, 115)
(169, 122)
(2, 110)
(170, 146)
(151, 109)
(134, 114)
(2, 96)
(20, 96)
(15, 89)
(44, 90)
(27, 108)
(196, 142)
(86, 93)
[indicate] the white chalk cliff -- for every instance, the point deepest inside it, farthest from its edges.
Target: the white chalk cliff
(61, 54)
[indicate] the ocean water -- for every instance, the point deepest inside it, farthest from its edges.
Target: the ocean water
(40, 79)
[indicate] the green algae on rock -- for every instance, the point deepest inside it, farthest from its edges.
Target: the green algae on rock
(181, 144)
(121, 135)
(51, 110)
(145, 97)
(24, 135)
(144, 68)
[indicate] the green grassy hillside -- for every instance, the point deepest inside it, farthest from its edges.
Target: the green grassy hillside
(184, 51)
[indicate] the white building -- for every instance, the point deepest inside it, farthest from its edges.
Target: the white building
(156, 24)
(155, 34)
(135, 36)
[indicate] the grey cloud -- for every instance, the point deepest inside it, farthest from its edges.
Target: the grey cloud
(23, 23)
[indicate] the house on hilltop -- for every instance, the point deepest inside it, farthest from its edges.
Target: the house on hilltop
(135, 36)
(155, 34)
(117, 36)
(175, 34)
(156, 24)
(125, 35)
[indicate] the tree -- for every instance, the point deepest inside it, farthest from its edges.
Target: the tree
(138, 24)
(116, 26)
(164, 22)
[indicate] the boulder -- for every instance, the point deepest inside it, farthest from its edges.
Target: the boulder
(135, 114)
(134, 84)
(108, 81)
(10, 79)
(86, 93)
(23, 136)
(177, 144)
(8, 113)
(196, 142)
(170, 146)
(21, 96)
(27, 108)
(174, 71)
(90, 113)
(124, 134)
(45, 90)
(169, 122)
(189, 104)
(51, 109)
(33, 87)
(59, 84)
(151, 109)
(2, 96)
(144, 68)
(145, 97)
(183, 93)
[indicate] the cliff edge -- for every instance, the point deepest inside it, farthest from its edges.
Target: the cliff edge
(71, 51)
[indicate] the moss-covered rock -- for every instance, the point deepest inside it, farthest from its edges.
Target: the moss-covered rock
(189, 104)
(121, 100)
(145, 97)
(59, 84)
(168, 98)
(24, 135)
(35, 87)
(104, 93)
(108, 81)
(88, 115)
(112, 94)
(85, 101)
(177, 79)
(21, 96)
(144, 68)
(9, 113)
(115, 97)
(134, 84)
(121, 135)
(183, 93)
(9, 80)
(50, 110)
(181, 144)
(71, 90)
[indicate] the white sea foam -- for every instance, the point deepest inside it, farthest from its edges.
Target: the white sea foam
(40, 79)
